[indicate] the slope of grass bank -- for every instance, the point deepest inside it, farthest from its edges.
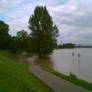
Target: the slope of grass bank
(72, 78)
(16, 78)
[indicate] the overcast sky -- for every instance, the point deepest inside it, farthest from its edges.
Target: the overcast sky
(73, 17)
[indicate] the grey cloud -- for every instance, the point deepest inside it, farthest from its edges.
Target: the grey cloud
(80, 17)
(4, 4)
(79, 21)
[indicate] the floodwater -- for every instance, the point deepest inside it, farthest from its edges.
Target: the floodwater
(77, 61)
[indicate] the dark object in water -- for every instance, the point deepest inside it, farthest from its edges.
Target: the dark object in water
(78, 54)
(73, 53)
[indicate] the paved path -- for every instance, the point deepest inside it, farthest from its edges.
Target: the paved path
(54, 82)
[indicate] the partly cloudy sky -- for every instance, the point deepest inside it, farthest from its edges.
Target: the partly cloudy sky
(73, 17)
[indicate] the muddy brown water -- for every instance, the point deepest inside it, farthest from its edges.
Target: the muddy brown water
(78, 61)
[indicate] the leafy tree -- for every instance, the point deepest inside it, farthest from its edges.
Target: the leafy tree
(15, 46)
(43, 32)
(22, 42)
(4, 36)
(4, 28)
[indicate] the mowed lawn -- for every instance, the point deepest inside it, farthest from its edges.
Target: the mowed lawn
(15, 77)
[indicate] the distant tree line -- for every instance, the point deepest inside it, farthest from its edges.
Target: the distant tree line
(67, 45)
(41, 40)
(82, 46)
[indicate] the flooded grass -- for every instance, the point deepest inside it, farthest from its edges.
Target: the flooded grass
(30, 59)
(47, 62)
(21, 58)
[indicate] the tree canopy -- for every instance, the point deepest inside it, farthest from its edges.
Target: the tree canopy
(4, 36)
(43, 31)
(22, 42)
(4, 28)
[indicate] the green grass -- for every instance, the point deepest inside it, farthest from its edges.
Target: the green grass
(15, 77)
(72, 78)
(5, 53)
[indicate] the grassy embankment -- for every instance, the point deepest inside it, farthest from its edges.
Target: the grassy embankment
(72, 78)
(15, 77)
